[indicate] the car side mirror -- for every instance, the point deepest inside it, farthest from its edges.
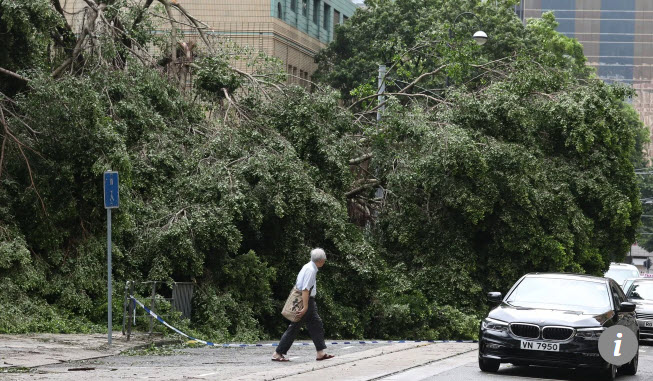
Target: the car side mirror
(494, 297)
(627, 307)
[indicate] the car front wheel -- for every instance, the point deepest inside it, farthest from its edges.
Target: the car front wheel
(630, 369)
(609, 373)
(488, 365)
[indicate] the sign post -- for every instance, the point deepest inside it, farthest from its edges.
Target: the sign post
(111, 201)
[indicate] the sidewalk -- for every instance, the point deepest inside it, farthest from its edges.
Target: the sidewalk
(32, 350)
(372, 364)
(396, 362)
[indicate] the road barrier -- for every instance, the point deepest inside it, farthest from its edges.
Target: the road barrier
(181, 294)
(238, 345)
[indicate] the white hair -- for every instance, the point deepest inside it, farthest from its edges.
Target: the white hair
(317, 255)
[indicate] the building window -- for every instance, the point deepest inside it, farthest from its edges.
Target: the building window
(293, 5)
(304, 7)
(279, 11)
(336, 18)
(327, 14)
(344, 19)
(316, 11)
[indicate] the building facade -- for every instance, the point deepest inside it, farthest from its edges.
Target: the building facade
(291, 30)
(617, 38)
(637, 255)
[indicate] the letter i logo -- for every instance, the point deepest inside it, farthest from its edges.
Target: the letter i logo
(617, 345)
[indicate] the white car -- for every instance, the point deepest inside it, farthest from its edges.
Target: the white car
(620, 272)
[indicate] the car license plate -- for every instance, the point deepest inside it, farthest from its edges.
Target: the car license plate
(540, 346)
(648, 324)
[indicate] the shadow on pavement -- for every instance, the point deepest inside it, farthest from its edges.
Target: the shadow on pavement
(549, 373)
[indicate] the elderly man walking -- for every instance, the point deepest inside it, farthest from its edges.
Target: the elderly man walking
(307, 284)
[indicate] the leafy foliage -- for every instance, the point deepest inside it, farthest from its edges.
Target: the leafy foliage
(213, 75)
(525, 163)
(24, 27)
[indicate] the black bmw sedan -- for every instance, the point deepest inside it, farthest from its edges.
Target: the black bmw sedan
(555, 320)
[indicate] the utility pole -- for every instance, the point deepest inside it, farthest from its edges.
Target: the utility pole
(380, 92)
(111, 201)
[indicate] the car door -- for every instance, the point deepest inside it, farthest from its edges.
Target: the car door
(623, 318)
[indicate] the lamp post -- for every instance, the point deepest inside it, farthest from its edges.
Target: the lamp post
(479, 36)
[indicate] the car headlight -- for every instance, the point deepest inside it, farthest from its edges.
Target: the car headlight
(494, 325)
(590, 333)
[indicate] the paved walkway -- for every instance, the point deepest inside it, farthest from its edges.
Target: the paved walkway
(372, 364)
(29, 351)
(352, 362)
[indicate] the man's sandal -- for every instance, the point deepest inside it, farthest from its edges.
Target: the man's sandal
(280, 359)
(325, 357)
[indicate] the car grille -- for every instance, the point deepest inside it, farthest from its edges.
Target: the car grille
(644, 316)
(525, 330)
(557, 333)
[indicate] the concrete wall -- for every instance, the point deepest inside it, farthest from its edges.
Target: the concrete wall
(293, 38)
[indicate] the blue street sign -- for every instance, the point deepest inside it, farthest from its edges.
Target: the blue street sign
(111, 199)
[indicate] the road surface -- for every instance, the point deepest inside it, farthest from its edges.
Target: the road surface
(392, 362)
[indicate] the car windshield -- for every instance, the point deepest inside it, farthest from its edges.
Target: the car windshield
(620, 275)
(641, 291)
(561, 294)
(627, 284)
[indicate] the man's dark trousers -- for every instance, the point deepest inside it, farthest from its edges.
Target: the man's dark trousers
(315, 330)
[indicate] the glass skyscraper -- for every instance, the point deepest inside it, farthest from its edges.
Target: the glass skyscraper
(617, 38)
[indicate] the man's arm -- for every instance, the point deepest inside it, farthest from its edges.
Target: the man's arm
(305, 295)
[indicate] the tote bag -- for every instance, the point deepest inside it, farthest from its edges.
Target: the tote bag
(294, 304)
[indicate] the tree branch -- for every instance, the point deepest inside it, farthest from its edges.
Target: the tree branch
(85, 32)
(20, 148)
(66, 33)
(361, 188)
(195, 22)
(173, 30)
(361, 159)
(410, 85)
(2, 153)
(139, 18)
(12, 74)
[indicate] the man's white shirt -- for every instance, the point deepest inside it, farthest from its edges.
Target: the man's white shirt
(307, 278)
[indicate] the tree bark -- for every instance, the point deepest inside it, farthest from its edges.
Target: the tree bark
(361, 159)
(12, 74)
(361, 188)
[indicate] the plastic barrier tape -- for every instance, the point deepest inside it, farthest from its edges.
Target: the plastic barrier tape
(236, 345)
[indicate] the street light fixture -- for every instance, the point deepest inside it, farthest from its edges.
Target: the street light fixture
(479, 36)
